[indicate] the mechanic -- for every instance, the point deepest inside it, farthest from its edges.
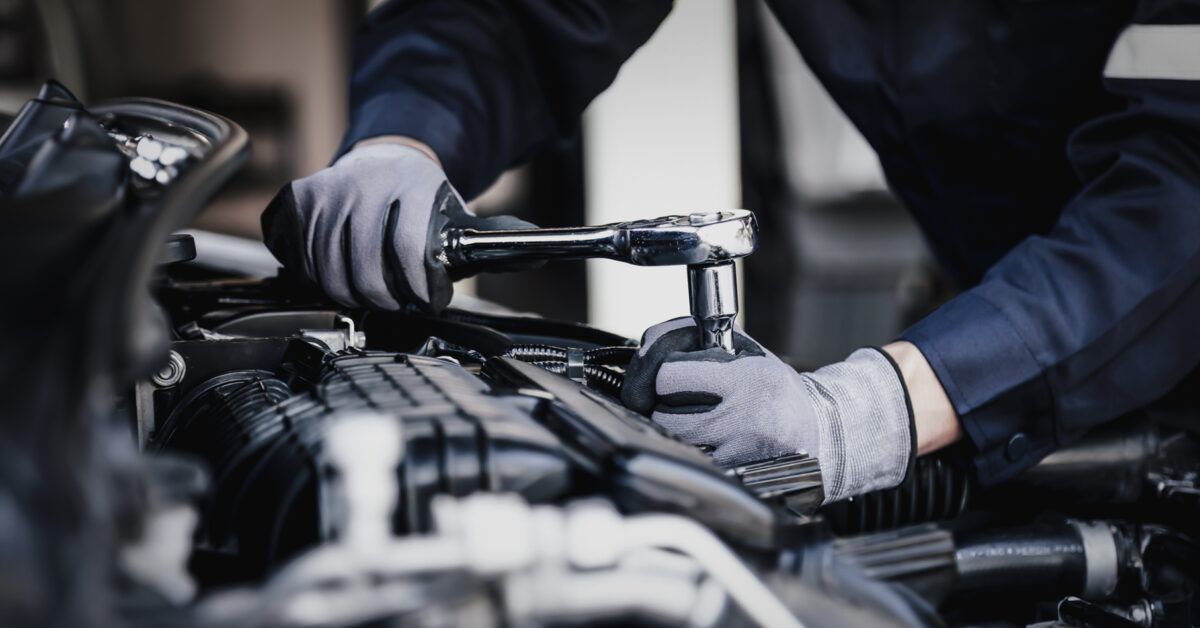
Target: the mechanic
(1049, 149)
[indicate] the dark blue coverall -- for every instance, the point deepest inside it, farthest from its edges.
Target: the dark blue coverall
(1049, 149)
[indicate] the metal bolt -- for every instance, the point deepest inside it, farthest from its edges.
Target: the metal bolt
(172, 373)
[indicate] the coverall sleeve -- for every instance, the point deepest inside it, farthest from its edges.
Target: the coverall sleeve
(1099, 316)
(486, 83)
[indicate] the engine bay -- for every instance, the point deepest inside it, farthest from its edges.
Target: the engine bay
(238, 451)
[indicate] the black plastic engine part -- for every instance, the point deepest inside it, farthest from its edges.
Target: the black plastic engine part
(867, 572)
(1170, 572)
(211, 422)
(794, 481)
(77, 249)
(272, 494)
(919, 557)
(491, 335)
(38, 120)
(534, 330)
(643, 466)
(1073, 611)
(435, 347)
(181, 247)
(1109, 466)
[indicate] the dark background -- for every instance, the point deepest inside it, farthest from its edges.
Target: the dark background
(839, 267)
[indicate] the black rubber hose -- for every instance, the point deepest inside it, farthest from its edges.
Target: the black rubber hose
(936, 490)
(211, 419)
(606, 356)
(598, 377)
(604, 379)
(558, 368)
(537, 353)
(596, 363)
(1045, 560)
(611, 356)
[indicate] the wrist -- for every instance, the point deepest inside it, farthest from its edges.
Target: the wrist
(937, 424)
(399, 140)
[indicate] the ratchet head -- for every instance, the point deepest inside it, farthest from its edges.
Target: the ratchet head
(701, 238)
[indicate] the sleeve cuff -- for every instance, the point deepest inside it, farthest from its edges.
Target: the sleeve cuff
(997, 386)
(421, 117)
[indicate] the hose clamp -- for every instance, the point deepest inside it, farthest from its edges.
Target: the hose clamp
(575, 365)
(1100, 554)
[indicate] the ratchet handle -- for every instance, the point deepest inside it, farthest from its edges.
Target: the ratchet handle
(699, 238)
(472, 247)
(707, 243)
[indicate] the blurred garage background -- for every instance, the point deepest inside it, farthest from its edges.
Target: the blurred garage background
(718, 110)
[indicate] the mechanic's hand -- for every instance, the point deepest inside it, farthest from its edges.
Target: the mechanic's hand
(853, 416)
(367, 229)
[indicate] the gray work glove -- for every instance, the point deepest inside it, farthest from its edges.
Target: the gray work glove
(367, 229)
(854, 416)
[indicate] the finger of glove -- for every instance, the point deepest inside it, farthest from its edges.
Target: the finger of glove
(685, 376)
(742, 342)
(737, 434)
(652, 334)
(676, 339)
(459, 216)
(784, 424)
(638, 392)
(323, 198)
(699, 428)
(285, 235)
(365, 242)
(736, 452)
(764, 408)
(417, 194)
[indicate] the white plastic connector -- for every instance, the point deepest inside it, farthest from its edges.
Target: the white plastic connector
(498, 532)
(365, 449)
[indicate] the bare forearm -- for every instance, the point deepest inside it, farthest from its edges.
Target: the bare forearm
(937, 423)
(404, 141)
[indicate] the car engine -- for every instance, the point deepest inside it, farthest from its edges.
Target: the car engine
(185, 444)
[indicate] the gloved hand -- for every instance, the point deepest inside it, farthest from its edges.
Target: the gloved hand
(854, 416)
(367, 229)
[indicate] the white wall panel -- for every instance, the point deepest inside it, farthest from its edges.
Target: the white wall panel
(663, 139)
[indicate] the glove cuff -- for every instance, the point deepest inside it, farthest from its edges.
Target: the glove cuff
(395, 151)
(908, 407)
(865, 420)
